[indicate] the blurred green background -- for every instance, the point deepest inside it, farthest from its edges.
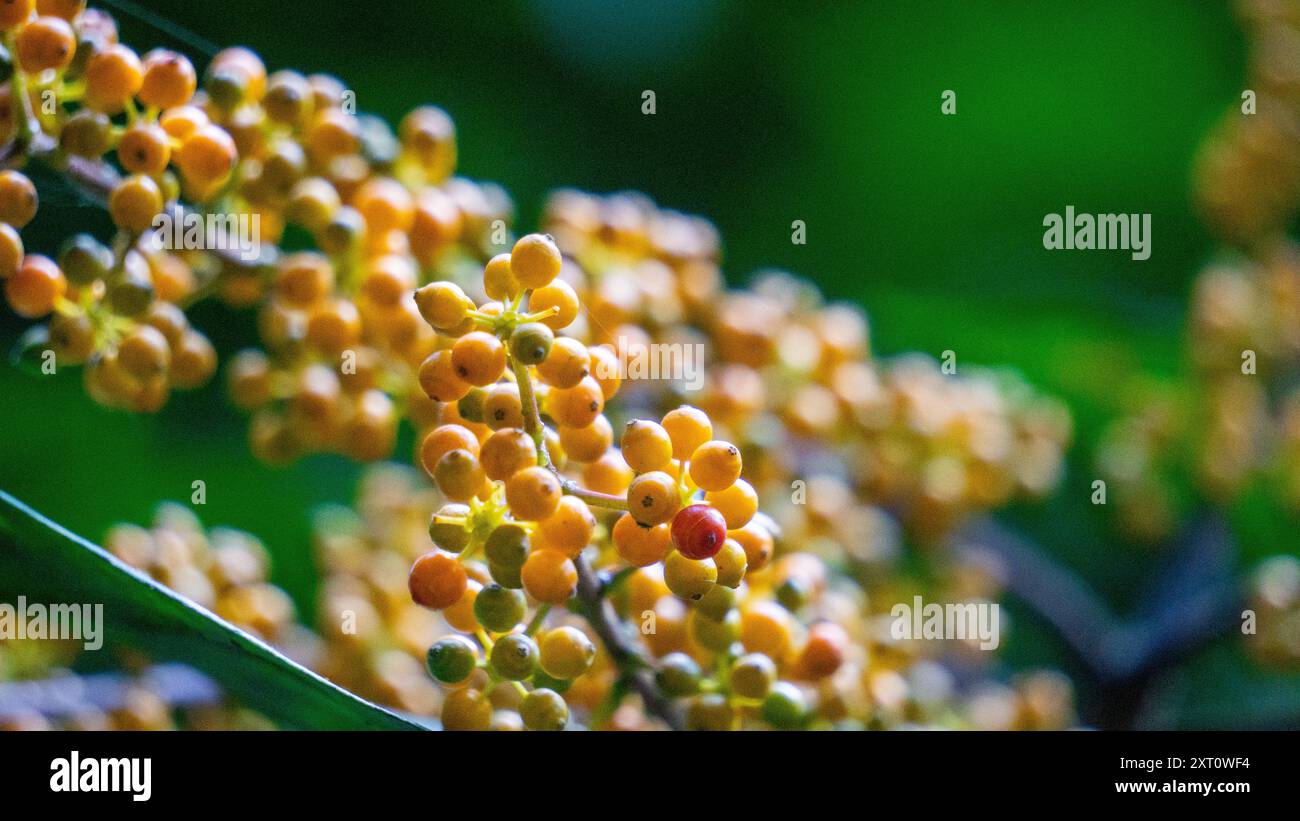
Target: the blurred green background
(766, 113)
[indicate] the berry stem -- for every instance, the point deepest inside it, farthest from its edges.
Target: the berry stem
(636, 670)
(538, 618)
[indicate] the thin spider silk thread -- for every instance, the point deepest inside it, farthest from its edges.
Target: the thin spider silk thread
(155, 20)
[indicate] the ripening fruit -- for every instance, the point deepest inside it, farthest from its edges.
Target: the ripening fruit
(646, 446)
(498, 280)
(714, 634)
(767, 628)
(437, 580)
(638, 545)
(533, 493)
(15, 12)
(452, 660)
(752, 676)
(757, 542)
(549, 576)
(732, 563)
(709, 712)
(502, 407)
(569, 528)
(36, 287)
(689, 578)
(144, 353)
(737, 503)
(535, 261)
(498, 609)
(444, 439)
(560, 296)
(653, 498)
(45, 43)
(507, 545)
(688, 427)
(64, 9)
(514, 656)
(113, 77)
(459, 475)
(531, 343)
(717, 603)
(87, 133)
(450, 536)
(18, 198)
(823, 652)
(443, 304)
(698, 531)
(11, 250)
(566, 652)
(466, 709)
(144, 149)
(439, 379)
(543, 710)
(169, 79)
(715, 465)
(567, 364)
(506, 452)
(206, 156)
(587, 444)
(576, 407)
(678, 675)
(479, 358)
(135, 202)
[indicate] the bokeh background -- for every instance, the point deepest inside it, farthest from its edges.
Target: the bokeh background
(766, 113)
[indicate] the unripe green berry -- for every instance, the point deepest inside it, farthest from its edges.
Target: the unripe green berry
(507, 546)
(784, 707)
(752, 676)
(708, 712)
(507, 577)
(678, 675)
(452, 660)
(450, 536)
(499, 609)
(514, 656)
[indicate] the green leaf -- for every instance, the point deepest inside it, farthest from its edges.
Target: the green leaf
(45, 562)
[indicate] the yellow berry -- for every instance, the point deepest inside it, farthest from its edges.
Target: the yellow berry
(688, 428)
(715, 465)
(653, 498)
(549, 576)
(535, 261)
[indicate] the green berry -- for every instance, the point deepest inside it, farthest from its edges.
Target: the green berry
(708, 712)
(531, 343)
(678, 675)
(507, 545)
(784, 708)
(470, 406)
(499, 609)
(452, 660)
(84, 260)
(717, 602)
(514, 657)
(752, 676)
(451, 537)
(791, 594)
(544, 710)
(716, 635)
(507, 577)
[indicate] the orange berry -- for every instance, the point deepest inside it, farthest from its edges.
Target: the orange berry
(569, 527)
(535, 260)
(715, 465)
(443, 304)
(605, 369)
(304, 279)
(332, 133)
(439, 380)
(653, 498)
(334, 326)
(737, 503)
(823, 653)
(145, 148)
(437, 580)
(18, 198)
(639, 545)
(689, 428)
(206, 156)
(646, 446)
(767, 628)
(502, 407)
(479, 357)
(498, 280)
(135, 202)
(506, 452)
(533, 493)
(444, 439)
(15, 12)
(576, 407)
(549, 576)
(182, 121)
(757, 542)
(608, 474)
(113, 77)
(566, 365)
(45, 43)
(35, 288)
(559, 295)
(390, 278)
(587, 444)
(65, 9)
(461, 614)
(11, 250)
(169, 79)
(459, 475)
(385, 204)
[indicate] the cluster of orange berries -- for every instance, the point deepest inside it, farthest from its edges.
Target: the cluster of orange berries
(75, 92)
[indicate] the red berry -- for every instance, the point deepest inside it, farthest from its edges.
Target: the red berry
(699, 531)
